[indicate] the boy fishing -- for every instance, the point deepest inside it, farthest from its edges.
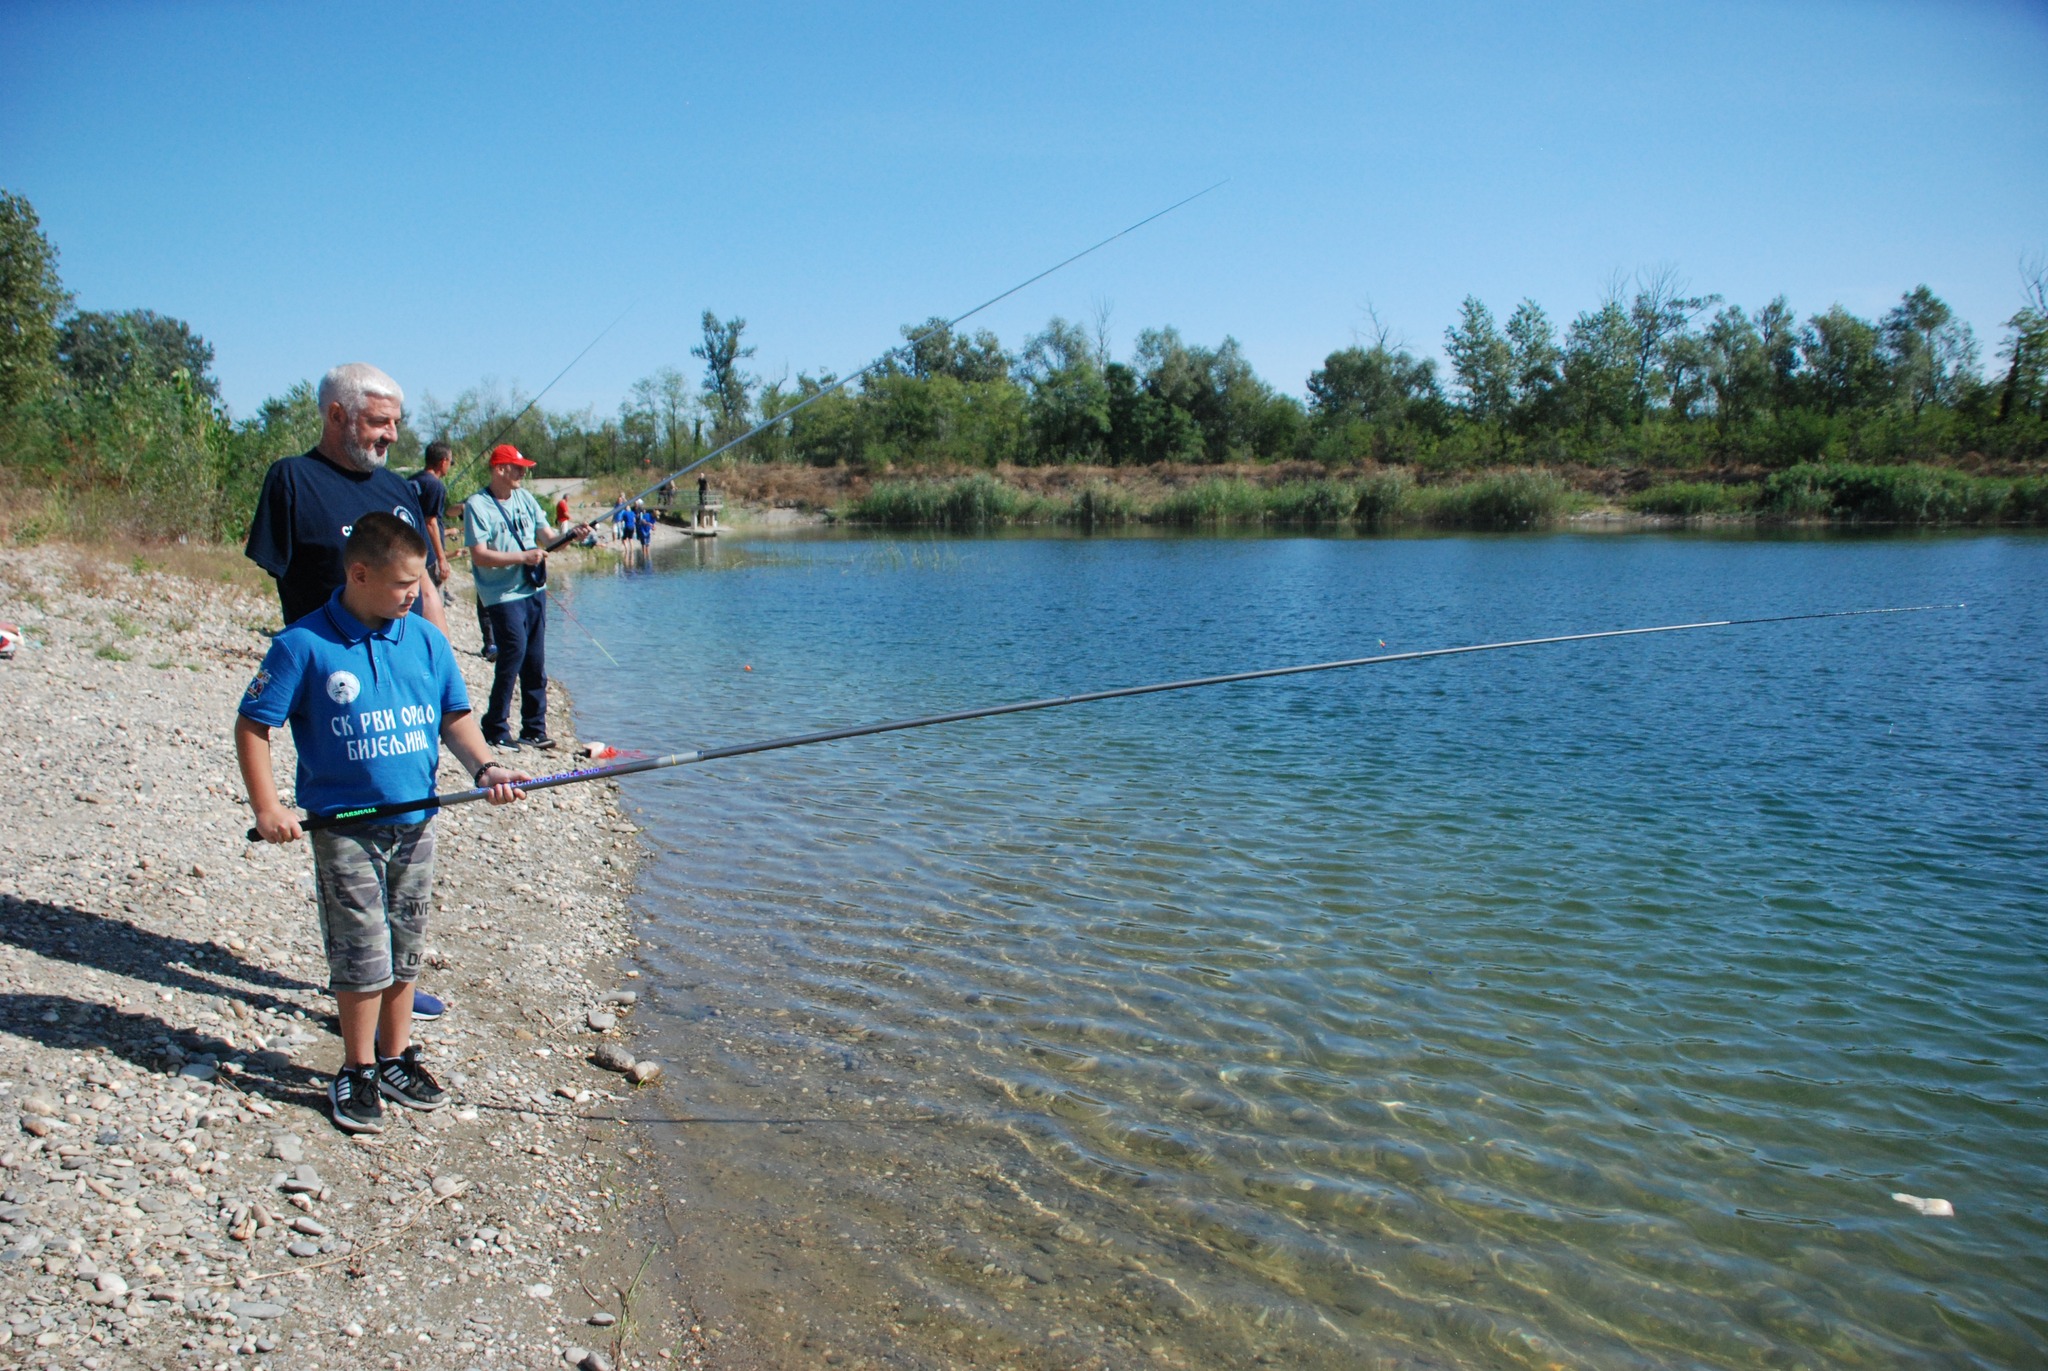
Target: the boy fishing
(370, 691)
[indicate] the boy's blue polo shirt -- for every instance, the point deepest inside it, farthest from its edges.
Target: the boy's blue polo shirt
(365, 707)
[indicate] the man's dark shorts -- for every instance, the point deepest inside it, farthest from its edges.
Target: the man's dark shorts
(374, 883)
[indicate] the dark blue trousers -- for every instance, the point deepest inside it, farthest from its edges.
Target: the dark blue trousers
(520, 626)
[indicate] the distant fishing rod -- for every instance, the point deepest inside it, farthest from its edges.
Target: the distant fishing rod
(513, 422)
(843, 382)
(833, 735)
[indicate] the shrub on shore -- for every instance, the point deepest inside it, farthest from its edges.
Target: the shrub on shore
(1690, 499)
(1908, 494)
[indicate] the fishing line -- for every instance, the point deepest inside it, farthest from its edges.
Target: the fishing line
(559, 603)
(513, 422)
(833, 735)
(905, 348)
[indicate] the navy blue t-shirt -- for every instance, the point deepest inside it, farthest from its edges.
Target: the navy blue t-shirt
(303, 516)
(433, 505)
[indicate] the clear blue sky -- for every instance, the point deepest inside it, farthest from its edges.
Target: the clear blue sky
(466, 192)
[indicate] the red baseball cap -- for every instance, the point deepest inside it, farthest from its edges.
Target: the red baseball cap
(505, 455)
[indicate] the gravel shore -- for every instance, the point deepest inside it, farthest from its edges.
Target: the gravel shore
(172, 1193)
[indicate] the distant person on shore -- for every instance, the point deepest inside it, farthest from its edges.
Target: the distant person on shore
(562, 508)
(370, 693)
(622, 522)
(643, 527)
(506, 530)
(309, 504)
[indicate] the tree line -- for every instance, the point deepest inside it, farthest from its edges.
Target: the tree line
(124, 405)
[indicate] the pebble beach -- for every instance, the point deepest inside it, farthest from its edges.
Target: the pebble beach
(172, 1193)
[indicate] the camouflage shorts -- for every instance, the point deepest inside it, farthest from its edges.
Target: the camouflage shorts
(374, 881)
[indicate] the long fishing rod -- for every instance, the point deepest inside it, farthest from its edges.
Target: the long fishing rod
(843, 382)
(513, 422)
(833, 735)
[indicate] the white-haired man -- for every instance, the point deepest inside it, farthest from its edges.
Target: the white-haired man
(309, 505)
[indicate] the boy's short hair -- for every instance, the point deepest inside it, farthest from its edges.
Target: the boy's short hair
(438, 451)
(379, 539)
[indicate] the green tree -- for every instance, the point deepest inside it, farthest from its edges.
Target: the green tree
(1738, 367)
(1237, 414)
(727, 390)
(1931, 354)
(2025, 390)
(101, 353)
(933, 349)
(31, 299)
(1600, 368)
(1482, 360)
(1840, 362)
(664, 401)
(1377, 385)
(1666, 355)
(1536, 367)
(1068, 408)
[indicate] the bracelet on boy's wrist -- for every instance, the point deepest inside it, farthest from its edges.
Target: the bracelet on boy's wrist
(477, 776)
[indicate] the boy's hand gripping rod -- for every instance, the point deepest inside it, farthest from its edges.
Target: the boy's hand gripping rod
(851, 377)
(833, 735)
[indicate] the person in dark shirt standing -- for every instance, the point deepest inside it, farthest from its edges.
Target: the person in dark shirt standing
(431, 481)
(430, 484)
(309, 505)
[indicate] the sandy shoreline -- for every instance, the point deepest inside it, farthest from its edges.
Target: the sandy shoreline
(165, 1041)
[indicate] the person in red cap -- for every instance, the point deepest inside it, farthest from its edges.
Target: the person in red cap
(507, 534)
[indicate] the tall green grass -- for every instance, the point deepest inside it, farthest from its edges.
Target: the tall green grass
(1905, 494)
(1690, 499)
(1515, 499)
(1504, 501)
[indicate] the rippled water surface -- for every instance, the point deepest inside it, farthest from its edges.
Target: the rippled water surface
(1580, 1005)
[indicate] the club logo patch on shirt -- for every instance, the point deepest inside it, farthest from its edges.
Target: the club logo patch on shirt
(343, 687)
(402, 513)
(257, 686)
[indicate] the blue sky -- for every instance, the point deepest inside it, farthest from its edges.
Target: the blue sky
(461, 192)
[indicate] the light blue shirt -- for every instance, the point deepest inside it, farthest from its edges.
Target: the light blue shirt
(508, 525)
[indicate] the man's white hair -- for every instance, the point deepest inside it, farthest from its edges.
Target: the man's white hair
(351, 382)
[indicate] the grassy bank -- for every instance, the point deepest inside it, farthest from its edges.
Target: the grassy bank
(1515, 499)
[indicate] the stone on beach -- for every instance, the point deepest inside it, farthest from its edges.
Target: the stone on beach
(643, 1071)
(612, 1057)
(600, 1021)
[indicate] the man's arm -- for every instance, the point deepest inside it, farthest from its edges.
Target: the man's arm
(435, 540)
(431, 606)
(252, 753)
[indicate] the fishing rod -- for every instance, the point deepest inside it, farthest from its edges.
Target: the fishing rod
(833, 735)
(513, 422)
(847, 380)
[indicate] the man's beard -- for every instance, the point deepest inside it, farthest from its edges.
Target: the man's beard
(361, 458)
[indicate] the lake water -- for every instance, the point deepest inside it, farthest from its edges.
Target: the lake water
(1573, 1006)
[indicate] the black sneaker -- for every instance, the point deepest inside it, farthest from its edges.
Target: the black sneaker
(502, 744)
(405, 1080)
(539, 742)
(352, 1101)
